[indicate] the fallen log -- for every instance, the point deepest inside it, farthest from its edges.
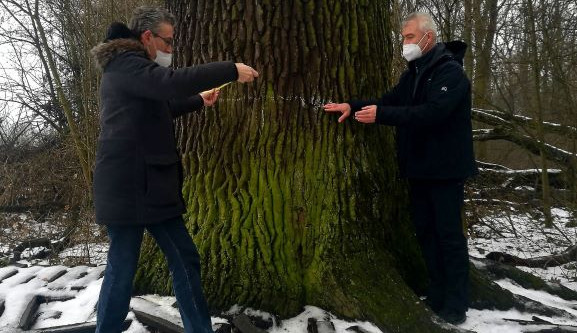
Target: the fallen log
(567, 256)
(547, 325)
(77, 328)
(159, 323)
(29, 315)
(150, 314)
(552, 153)
(509, 178)
(496, 117)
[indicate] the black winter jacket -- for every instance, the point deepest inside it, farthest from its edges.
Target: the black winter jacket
(138, 175)
(431, 109)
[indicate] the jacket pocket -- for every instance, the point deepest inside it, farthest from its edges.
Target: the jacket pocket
(162, 186)
(115, 182)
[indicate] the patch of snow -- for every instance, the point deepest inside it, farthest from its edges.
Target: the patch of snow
(24, 274)
(494, 321)
(561, 213)
(524, 188)
(29, 252)
(299, 323)
(94, 273)
(7, 271)
(67, 279)
(544, 298)
(524, 236)
(258, 313)
(165, 302)
(143, 305)
(82, 308)
(135, 326)
(48, 273)
(95, 252)
(17, 293)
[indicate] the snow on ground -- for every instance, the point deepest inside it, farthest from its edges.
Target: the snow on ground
(523, 235)
(96, 252)
(299, 323)
(544, 298)
(34, 228)
(512, 232)
(77, 310)
(488, 321)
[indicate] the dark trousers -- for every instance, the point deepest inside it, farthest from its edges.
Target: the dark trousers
(436, 208)
(183, 262)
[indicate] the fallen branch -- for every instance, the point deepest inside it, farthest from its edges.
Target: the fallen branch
(51, 247)
(552, 153)
(78, 328)
(512, 127)
(509, 178)
(567, 256)
(547, 326)
(494, 116)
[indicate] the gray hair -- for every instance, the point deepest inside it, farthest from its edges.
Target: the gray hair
(149, 18)
(426, 22)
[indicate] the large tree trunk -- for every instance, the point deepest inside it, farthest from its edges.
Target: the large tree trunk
(286, 206)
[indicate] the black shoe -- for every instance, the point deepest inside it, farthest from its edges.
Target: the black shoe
(453, 317)
(434, 306)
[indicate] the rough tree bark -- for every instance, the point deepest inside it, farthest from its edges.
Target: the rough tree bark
(286, 206)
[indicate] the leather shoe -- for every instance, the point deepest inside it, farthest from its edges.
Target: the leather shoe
(453, 317)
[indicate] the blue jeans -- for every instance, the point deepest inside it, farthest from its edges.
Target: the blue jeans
(183, 262)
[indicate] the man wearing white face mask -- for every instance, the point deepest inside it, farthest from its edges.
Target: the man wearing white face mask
(431, 110)
(137, 174)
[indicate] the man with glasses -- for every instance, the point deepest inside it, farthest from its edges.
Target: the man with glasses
(138, 175)
(431, 109)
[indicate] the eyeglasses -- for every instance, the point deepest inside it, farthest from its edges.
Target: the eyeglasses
(167, 40)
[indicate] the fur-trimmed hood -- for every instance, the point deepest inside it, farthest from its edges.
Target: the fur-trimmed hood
(103, 53)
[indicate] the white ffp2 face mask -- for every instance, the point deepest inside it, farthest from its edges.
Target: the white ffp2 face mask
(413, 51)
(163, 59)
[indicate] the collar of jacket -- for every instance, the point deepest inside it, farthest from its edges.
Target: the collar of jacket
(103, 53)
(454, 50)
(427, 60)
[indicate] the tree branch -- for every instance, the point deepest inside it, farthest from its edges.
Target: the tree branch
(567, 256)
(552, 153)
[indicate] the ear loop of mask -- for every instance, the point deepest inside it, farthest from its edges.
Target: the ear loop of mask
(422, 40)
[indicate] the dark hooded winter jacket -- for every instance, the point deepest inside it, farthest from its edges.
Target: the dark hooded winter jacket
(138, 175)
(431, 109)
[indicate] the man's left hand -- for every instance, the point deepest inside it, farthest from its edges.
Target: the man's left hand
(367, 114)
(210, 96)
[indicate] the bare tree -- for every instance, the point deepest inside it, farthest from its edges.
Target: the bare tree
(51, 74)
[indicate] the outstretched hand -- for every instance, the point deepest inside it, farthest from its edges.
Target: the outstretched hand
(210, 96)
(367, 114)
(245, 73)
(343, 108)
